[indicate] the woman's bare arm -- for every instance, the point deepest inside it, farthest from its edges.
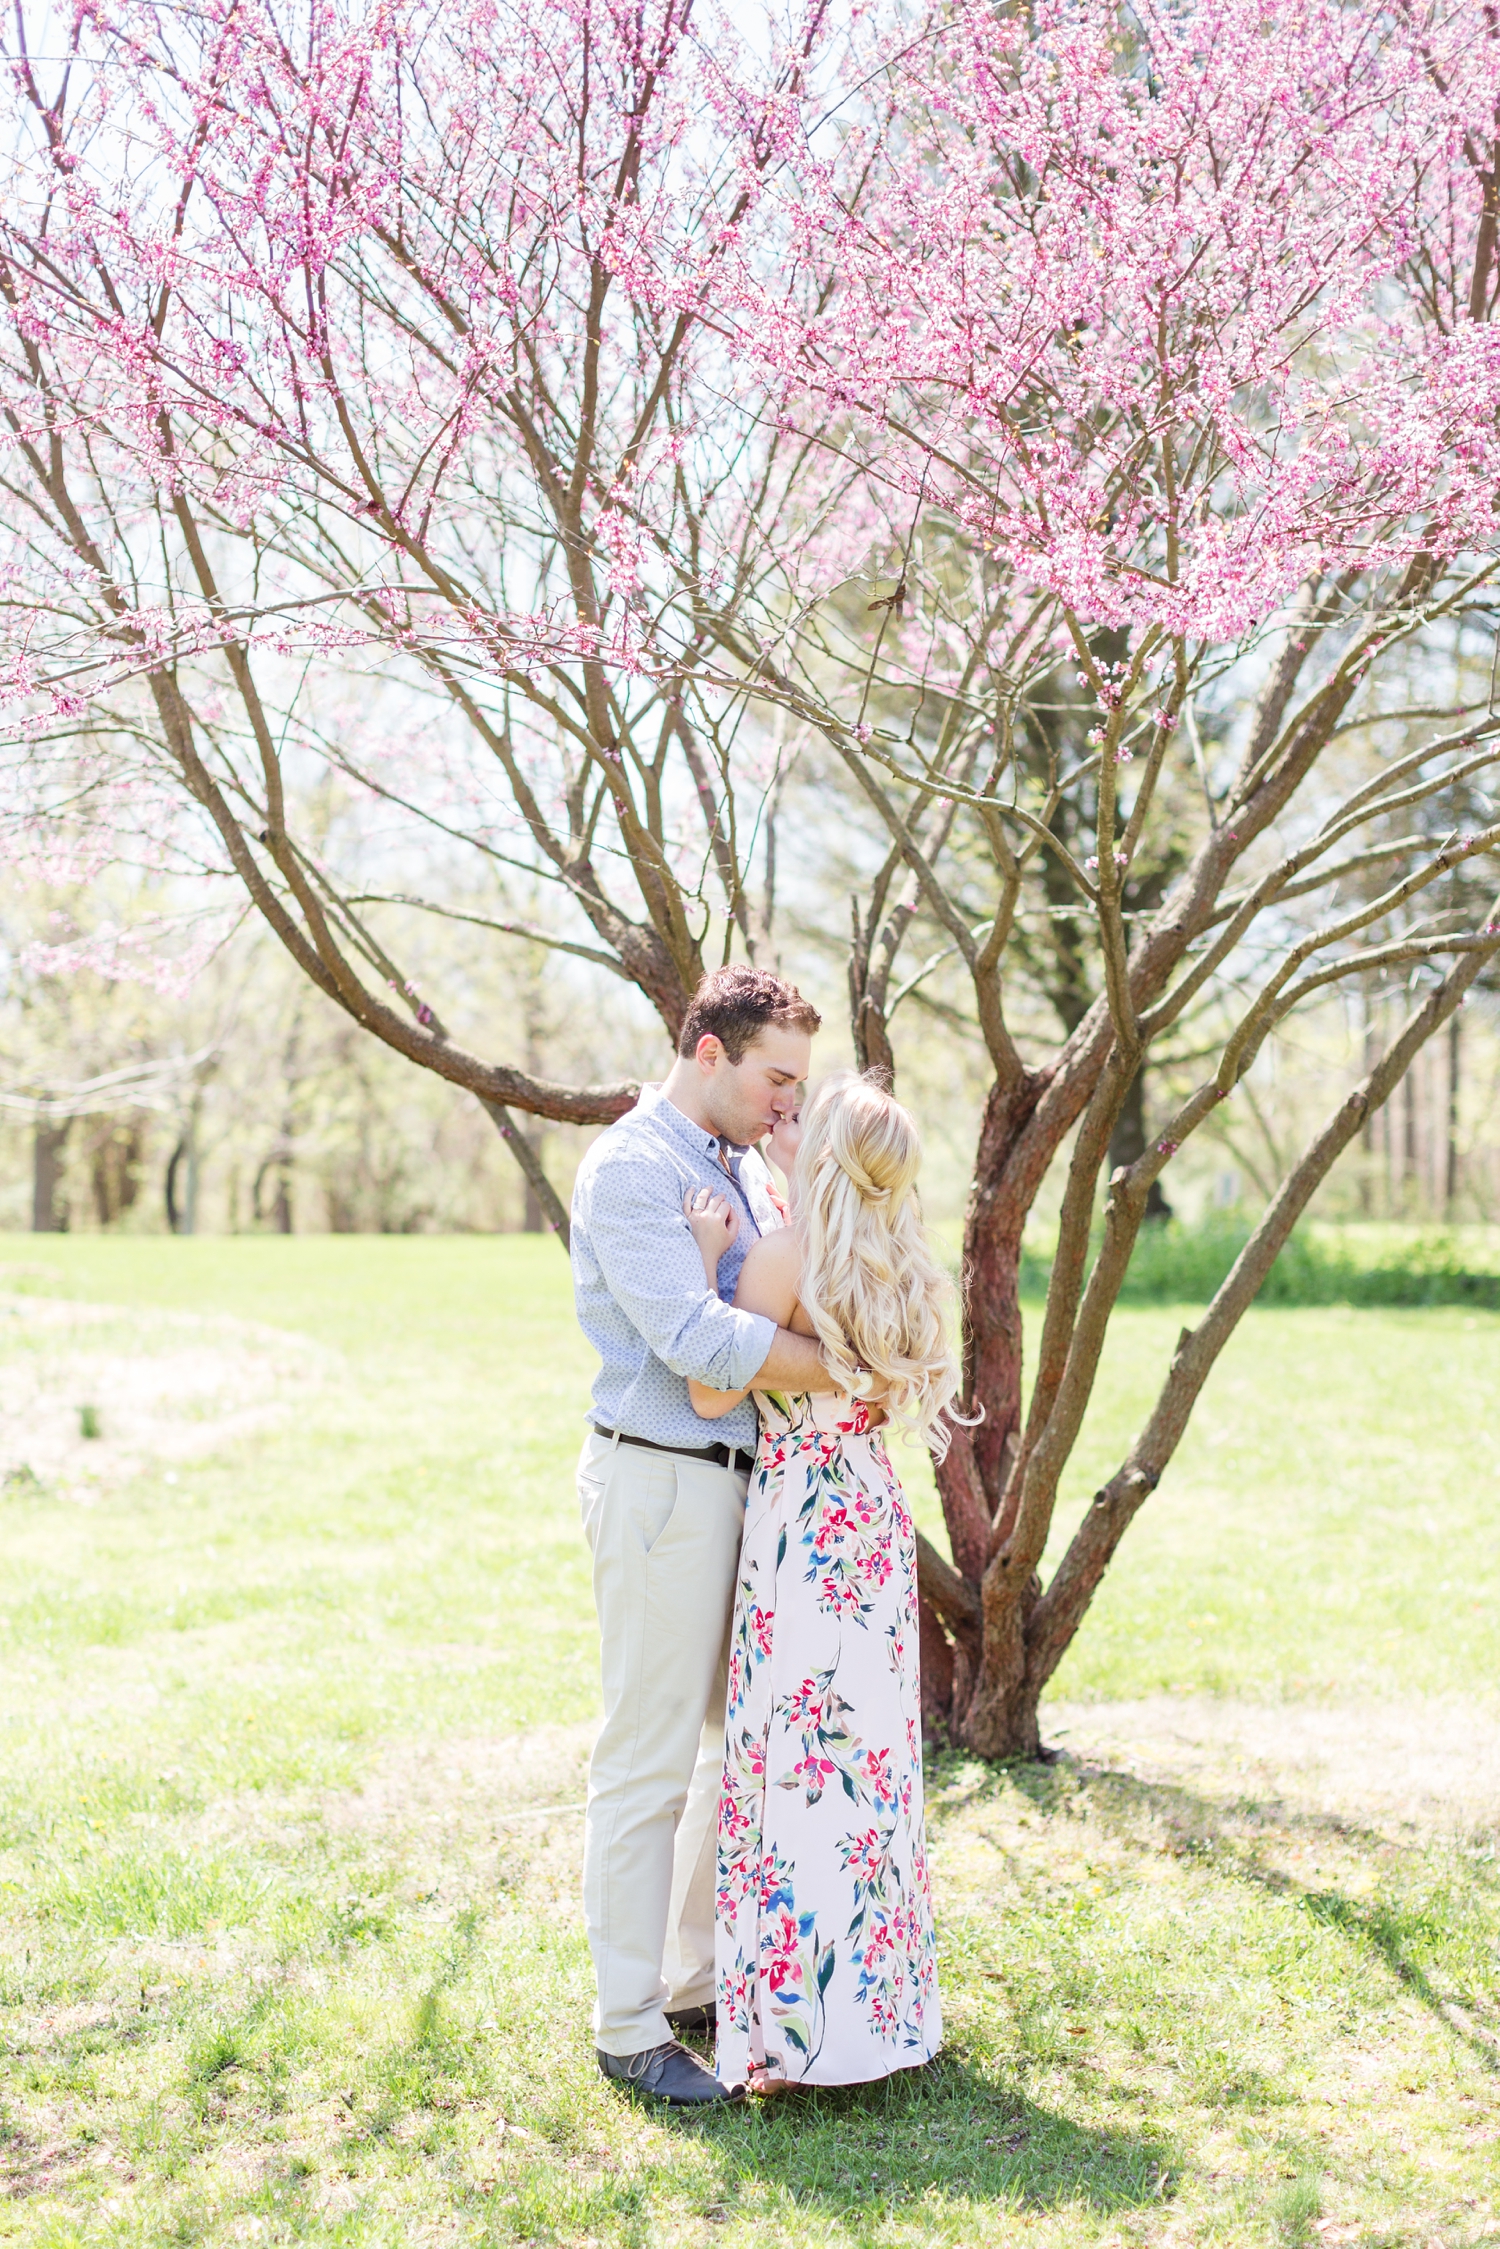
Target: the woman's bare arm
(768, 1285)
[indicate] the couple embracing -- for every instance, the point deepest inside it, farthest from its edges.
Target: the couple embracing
(755, 1867)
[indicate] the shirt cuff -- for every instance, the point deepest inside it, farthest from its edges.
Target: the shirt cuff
(754, 1337)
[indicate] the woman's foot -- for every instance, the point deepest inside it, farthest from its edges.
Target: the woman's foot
(767, 2079)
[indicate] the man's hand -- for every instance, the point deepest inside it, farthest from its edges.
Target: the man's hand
(714, 1223)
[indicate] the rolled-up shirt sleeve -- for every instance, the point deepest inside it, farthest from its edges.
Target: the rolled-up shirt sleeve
(651, 1266)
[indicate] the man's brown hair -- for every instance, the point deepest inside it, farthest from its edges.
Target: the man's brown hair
(736, 1004)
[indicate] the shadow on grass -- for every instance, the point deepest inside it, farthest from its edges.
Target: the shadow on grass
(1213, 1831)
(945, 2133)
(1380, 1929)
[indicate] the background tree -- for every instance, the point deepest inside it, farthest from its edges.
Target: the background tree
(408, 311)
(553, 426)
(1177, 323)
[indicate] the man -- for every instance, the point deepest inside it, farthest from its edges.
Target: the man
(663, 1498)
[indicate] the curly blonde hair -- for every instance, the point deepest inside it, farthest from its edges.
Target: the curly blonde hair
(874, 1292)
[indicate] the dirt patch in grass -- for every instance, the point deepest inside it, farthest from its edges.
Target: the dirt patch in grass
(481, 1779)
(91, 1394)
(1414, 1767)
(503, 1811)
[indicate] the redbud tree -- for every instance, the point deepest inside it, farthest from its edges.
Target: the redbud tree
(1072, 430)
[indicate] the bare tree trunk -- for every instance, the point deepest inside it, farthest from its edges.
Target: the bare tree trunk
(1367, 1129)
(548, 1201)
(531, 1216)
(1450, 1181)
(49, 1213)
(182, 1176)
(1128, 1145)
(281, 1209)
(1002, 1636)
(534, 1220)
(174, 1208)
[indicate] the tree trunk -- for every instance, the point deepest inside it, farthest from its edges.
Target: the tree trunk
(1450, 1177)
(1367, 1129)
(170, 1194)
(182, 1183)
(991, 1637)
(279, 1164)
(976, 1478)
(49, 1213)
(1128, 1145)
(533, 1220)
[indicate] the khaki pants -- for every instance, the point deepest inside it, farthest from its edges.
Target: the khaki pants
(665, 1536)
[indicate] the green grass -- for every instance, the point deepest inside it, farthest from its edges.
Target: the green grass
(291, 1742)
(1362, 1264)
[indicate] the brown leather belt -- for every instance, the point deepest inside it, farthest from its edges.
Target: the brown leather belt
(722, 1456)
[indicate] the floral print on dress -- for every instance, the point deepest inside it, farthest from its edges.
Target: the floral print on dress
(826, 1961)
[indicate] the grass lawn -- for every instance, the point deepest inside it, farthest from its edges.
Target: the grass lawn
(298, 1678)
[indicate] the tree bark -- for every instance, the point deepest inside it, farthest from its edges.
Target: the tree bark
(1450, 1179)
(49, 1214)
(1000, 1670)
(1128, 1145)
(539, 1187)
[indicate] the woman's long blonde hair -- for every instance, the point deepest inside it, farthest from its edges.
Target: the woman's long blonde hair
(873, 1290)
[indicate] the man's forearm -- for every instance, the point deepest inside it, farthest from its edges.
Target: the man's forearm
(794, 1362)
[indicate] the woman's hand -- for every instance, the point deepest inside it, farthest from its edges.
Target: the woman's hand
(714, 1223)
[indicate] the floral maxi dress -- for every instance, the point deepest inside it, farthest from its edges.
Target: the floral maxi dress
(825, 1953)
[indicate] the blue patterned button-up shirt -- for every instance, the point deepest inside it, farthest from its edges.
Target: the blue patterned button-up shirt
(638, 1278)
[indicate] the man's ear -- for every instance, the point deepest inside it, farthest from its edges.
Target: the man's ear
(708, 1050)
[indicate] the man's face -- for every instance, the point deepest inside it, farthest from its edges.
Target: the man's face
(744, 1099)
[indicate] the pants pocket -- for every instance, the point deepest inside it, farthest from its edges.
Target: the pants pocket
(653, 1503)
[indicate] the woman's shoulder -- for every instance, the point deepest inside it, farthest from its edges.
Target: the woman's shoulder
(770, 1275)
(776, 1254)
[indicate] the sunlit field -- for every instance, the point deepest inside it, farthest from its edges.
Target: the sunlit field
(299, 1681)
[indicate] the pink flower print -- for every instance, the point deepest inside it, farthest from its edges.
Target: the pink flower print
(861, 1853)
(858, 1423)
(816, 1771)
(734, 1998)
(805, 1706)
(837, 1595)
(735, 1822)
(875, 1567)
(832, 1524)
(877, 1771)
(780, 1950)
(768, 1877)
(879, 1940)
(762, 1627)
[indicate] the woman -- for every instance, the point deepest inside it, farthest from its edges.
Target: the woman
(825, 1943)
